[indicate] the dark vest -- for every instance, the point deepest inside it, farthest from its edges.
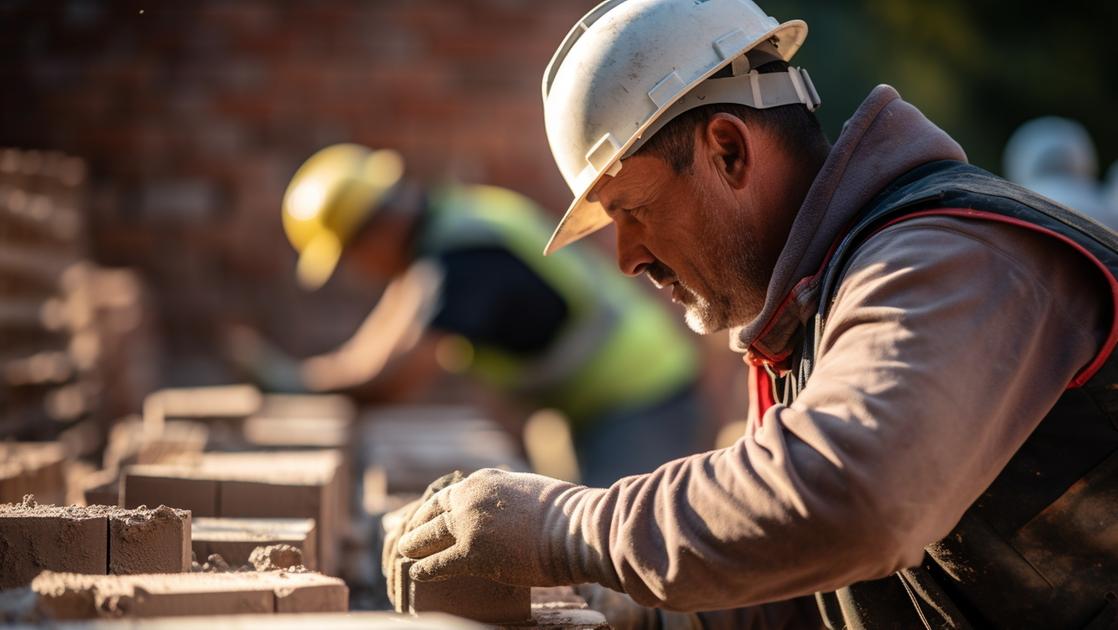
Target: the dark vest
(1039, 549)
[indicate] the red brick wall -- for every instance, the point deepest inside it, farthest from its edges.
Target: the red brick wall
(193, 115)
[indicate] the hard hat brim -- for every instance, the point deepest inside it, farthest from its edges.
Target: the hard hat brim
(584, 217)
(317, 261)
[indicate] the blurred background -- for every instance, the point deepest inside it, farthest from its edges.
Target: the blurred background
(145, 148)
(191, 118)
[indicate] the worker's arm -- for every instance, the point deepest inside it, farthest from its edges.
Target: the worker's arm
(391, 340)
(948, 343)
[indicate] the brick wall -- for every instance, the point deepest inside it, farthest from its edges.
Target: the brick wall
(193, 115)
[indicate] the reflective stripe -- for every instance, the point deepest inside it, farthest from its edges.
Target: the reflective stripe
(618, 348)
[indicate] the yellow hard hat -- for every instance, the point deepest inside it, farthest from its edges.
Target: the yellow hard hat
(330, 197)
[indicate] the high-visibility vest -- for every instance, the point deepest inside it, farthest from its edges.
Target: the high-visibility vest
(617, 348)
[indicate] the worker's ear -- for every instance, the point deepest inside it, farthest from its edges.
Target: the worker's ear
(728, 144)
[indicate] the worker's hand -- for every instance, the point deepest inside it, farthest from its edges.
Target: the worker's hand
(509, 527)
(271, 368)
(395, 525)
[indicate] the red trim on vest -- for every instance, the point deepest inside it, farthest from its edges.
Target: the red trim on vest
(1087, 372)
(757, 356)
(764, 392)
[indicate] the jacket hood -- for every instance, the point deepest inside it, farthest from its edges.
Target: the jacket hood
(884, 139)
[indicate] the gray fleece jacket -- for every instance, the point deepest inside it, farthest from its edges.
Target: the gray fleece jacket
(949, 341)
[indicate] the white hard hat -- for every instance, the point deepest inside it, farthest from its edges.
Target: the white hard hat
(1049, 146)
(630, 66)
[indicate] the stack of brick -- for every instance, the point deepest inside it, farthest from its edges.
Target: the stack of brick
(129, 443)
(96, 540)
(406, 448)
(285, 421)
(300, 484)
(76, 338)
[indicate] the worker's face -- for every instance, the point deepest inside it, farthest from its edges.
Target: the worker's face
(380, 251)
(704, 233)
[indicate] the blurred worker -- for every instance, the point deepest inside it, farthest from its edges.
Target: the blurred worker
(936, 443)
(469, 291)
(1056, 158)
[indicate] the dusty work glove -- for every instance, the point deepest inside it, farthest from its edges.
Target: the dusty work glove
(514, 528)
(396, 525)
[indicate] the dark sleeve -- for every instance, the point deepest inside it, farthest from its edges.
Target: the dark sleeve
(491, 297)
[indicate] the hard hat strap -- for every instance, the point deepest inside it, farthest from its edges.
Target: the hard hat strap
(753, 89)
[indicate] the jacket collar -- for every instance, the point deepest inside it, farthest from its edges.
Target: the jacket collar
(885, 138)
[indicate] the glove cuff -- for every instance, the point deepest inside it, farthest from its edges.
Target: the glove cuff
(576, 537)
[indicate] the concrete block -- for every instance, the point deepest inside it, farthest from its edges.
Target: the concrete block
(473, 598)
(149, 541)
(36, 538)
(72, 596)
(179, 487)
(235, 538)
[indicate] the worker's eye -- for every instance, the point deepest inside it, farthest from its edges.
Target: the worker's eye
(636, 212)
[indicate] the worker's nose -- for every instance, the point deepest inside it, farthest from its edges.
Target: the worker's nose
(632, 255)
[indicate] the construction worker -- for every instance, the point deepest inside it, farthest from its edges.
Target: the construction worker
(470, 293)
(935, 442)
(1056, 157)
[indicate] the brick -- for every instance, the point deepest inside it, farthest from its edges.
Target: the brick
(90, 540)
(291, 485)
(37, 538)
(310, 592)
(149, 541)
(178, 487)
(101, 487)
(404, 449)
(235, 538)
(222, 408)
(473, 598)
(36, 468)
(401, 585)
(73, 596)
(299, 484)
(561, 607)
(130, 444)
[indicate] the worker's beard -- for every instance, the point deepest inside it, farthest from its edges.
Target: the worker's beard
(736, 267)
(733, 298)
